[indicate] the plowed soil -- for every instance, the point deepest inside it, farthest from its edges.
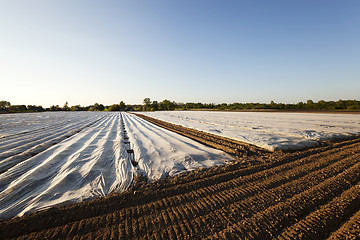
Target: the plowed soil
(308, 194)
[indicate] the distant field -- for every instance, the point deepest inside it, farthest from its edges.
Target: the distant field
(270, 130)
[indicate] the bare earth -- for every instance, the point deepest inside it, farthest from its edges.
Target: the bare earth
(308, 194)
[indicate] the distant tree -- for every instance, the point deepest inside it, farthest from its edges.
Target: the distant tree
(96, 107)
(180, 106)
(189, 106)
(114, 107)
(31, 107)
(147, 101)
(136, 107)
(259, 106)
(129, 108)
(76, 108)
(223, 106)
(167, 105)
(66, 107)
(154, 106)
(87, 108)
(273, 105)
(34, 108)
(146, 104)
(300, 105)
(55, 108)
(340, 104)
(122, 105)
(321, 105)
(101, 107)
(353, 107)
(18, 108)
(4, 104)
(309, 104)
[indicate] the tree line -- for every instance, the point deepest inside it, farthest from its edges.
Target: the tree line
(168, 105)
(95, 107)
(6, 107)
(349, 105)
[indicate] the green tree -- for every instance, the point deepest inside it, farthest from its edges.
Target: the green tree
(4, 104)
(147, 101)
(97, 107)
(322, 105)
(340, 104)
(66, 107)
(167, 105)
(122, 105)
(309, 104)
(76, 108)
(147, 104)
(19, 108)
(101, 107)
(300, 105)
(114, 107)
(34, 108)
(223, 106)
(154, 106)
(55, 108)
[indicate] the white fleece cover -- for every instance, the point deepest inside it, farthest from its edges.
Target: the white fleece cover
(268, 130)
(87, 159)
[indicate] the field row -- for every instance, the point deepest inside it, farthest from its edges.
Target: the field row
(268, 130)
(222, 143)
(75, 160)
(25, 144)
(312, 194)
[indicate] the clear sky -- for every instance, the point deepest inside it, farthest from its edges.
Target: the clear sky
(84, 51)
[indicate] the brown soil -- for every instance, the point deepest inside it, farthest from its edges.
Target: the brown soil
(308, 194)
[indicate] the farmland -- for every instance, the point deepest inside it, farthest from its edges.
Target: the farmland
(311, 193)
(272, 131)
(85, 156)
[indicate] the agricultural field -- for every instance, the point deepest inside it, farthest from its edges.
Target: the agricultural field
(269, 130)
(59, 158)
(152, 179)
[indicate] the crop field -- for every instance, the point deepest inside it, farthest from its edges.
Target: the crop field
(269, 130)
(84, 156)
(312, 193)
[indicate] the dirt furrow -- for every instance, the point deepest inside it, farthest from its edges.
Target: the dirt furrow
(275, 218)
(210, 200)
(349, 230)
(214, 203)
(249, 206)
(317, 224)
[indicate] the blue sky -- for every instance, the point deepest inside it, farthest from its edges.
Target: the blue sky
(187, 51)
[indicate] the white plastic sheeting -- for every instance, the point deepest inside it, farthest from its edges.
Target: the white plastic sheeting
(160, 152)
(268, 129)
(89, 163)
